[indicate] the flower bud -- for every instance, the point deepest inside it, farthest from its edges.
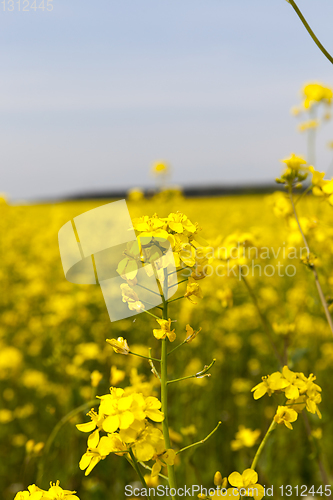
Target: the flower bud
(218, 478)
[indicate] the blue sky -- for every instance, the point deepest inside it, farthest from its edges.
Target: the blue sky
(93, 92)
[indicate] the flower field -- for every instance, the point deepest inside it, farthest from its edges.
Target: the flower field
(256, 311)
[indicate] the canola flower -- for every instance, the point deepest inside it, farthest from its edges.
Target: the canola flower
(301, 392)
(160, 168)
(235, 332)
(126, 421)
(55, 492)
(245, 438)
(243, 484)
(315, 93)
(296, 171)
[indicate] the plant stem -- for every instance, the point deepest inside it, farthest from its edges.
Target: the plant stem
(164, 386)
(202, 440)
(315, 450)
(179, 282)
(265, 324)
(139, 473)
(309, 30)
(150, 468)
(313, 268)
(152, 291)
(151, 314)
(55, 431)
(196, 375)
(145, 357)
(177, 298)
(262, 444)
(179, 345)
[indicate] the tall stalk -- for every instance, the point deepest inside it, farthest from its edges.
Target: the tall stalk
(164, 385)
(309, 30)
(313, 267)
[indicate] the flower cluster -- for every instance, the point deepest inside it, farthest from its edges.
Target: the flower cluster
(322, 187)
(124, 419)
(245, 438)
(244, 485)
(296, 171)
(181, 233)
(301, 392)
(315, 93)
(55, 492)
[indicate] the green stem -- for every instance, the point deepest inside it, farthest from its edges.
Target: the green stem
(315, 450)
(141, 286)
(202, 440)
(55, 431)
(201, 374)
(179, 345)
(174, 300)
(139, 473)
(151, 314)
(164, 387)
(309, 30)
(179, 282)
(150, 468)
(262, 444)
(145, 357)
(313, 268)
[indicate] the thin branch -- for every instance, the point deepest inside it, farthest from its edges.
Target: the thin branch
(142, 356)
(200, 442)
(151, 314)
(179, 345)
(309, 30)
(313, 267)
(174, 300)
(201, 374)
(149, 468)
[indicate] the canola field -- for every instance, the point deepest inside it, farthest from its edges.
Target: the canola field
(256, 311)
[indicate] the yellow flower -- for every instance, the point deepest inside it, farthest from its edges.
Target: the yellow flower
(193, 288)
(295, 162)
(116, 376)
(150, 443)
(95, 378)
(245, 438)
(119, 346)
(105, 446)
(165, 330)
(191, 334)
(135, 194)
(33, 493)
(285, 415)
(246, 484)
(130, 296)
(315, 92)
(269, 384)
(160, 168)
(166, 458)
(55, 492)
